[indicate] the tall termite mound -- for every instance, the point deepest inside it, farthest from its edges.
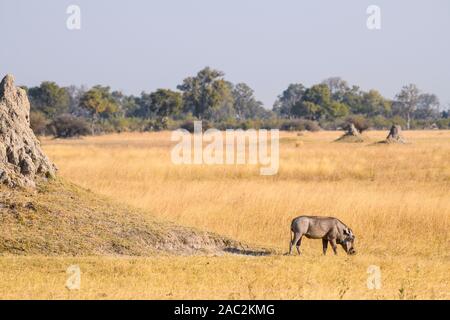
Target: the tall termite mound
(22, 161)
(351, 135)
(395, 135)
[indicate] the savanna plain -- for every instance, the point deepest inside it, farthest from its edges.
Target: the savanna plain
(396, 198)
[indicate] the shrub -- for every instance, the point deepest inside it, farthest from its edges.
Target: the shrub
(443, 123)
(251, 124)
(380, 122)
(157, 124)
(273, 123)
(299, 125)
(67, 126)
(336, 124)
(359, 121)
(398, 120)
(38, 123)
(189, 125)
(228, 124)
(124, 124)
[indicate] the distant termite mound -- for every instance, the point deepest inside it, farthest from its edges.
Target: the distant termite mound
(395, 135)
(21, 158)
(351, 135)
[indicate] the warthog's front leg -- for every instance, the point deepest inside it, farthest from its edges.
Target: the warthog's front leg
(333, 245)
(325, 246)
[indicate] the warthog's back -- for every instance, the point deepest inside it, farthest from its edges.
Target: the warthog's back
(314, 227)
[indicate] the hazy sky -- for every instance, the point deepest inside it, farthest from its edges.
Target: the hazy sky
(144, 45)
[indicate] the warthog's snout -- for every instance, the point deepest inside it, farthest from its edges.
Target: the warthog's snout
(349, 244)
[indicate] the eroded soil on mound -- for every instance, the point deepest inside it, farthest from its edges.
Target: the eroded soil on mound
(59, 218)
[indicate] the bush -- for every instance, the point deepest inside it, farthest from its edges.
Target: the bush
(228, 124)
(380, 123)
(312, 126)
(336, 124)
(443, 123)
(103, 126)
(299, 125)
(67, 126)
(359, 121)
(420, 124)
(157, 124)
(38, 123)
(398, 120)
(189, 125)
(122, 124)
(271, 123)
(252, 124)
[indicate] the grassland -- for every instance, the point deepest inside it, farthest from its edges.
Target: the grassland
(395, 198)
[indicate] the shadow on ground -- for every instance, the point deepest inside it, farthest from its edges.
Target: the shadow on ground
(249, 252)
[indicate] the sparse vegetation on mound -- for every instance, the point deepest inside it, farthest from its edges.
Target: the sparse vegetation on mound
(59, 218)
(352, 139)
(395, 136)
(352, 135)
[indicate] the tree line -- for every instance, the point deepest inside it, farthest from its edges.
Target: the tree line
(208, 96)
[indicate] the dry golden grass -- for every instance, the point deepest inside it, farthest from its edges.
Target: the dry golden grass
(395, 198)
(226, 277)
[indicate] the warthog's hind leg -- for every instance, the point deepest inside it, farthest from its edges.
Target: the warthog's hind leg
(299, 242)
(325, 246)
(295, 241)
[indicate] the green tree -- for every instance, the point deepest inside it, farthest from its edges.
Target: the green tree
(288, 103)
(353, 99)
(143, 108)
(336, 110)
(99, 102)
(316, 102)
(49, 99)
(222, 106)
(165, 103)
(129, 105)
(205, 92)
(308, 110)
(374, 104)
(427, 106)
(75, 94)
(338, 87)
(245, 103)
(406, 103)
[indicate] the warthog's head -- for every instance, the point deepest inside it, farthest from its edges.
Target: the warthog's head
(348, 241)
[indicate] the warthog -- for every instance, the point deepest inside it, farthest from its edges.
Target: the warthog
(328, 229)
